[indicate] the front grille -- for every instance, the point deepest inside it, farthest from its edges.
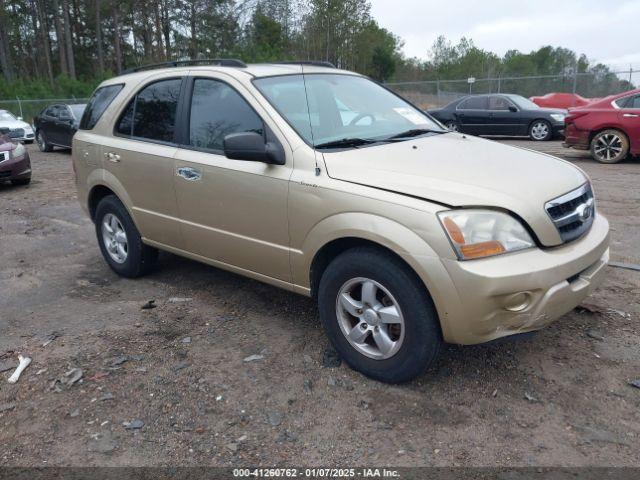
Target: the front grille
(573, 213)
(5, 174)
(16, 133)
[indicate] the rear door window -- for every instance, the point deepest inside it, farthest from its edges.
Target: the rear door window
(98, 103)
(151, 114)
(474, 103)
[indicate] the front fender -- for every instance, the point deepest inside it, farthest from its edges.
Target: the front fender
(387, 233)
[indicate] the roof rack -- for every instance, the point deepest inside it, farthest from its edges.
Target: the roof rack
(315, 63)
(219, 62)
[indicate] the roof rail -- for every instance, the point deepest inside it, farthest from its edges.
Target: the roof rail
(219, 62)
(315, 63)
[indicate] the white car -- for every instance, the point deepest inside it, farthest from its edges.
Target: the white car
(15, 127)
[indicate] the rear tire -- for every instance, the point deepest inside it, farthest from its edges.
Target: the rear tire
(398, 344)
(41, 138)
(119, 240)
(609, 146)
(540, 131)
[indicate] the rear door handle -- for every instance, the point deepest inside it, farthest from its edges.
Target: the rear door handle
(630, 115)
(112, 157)
(188, 173)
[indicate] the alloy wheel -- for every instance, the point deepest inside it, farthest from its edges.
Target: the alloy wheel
(452, 126)
(115, 238)
(607, 147)
(40, 141)
(539, 130)
(370, 318)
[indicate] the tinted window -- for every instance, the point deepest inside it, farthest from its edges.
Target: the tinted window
(633, 102)
(64, 113)
(98, 103)
(498, 103)
(217, 110)
(474, 103)
(51, 111)
(152, 112)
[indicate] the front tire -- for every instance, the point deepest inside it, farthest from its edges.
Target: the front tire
(43, 145)
(609, 146)
(119, 240)
(378, 315)
(540, 131)
(453, 126)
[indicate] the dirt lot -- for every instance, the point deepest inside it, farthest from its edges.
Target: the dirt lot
(561, 397)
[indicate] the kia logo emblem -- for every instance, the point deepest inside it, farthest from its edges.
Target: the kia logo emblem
(584, 212)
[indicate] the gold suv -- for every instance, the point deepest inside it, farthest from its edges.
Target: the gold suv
(322, 182)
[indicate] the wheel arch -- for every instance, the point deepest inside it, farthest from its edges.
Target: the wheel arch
(105, 183)
(537, 119)
(600, 129)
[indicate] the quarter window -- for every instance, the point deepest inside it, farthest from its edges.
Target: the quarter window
(98, 103)
(152, 112)
(218, 110)
(474, 103)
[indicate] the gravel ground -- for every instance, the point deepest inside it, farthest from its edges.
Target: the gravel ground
(227, 371)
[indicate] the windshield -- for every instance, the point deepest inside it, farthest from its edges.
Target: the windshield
(523, 103)
(342, 107)
(77, 110)
(7, 117)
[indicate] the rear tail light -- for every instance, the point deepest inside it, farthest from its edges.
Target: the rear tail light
(573, 116)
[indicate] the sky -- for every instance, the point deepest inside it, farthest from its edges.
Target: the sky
(607, 31)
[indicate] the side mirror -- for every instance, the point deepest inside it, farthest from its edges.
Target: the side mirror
(19, 119)
(251, 147)
(512, 108)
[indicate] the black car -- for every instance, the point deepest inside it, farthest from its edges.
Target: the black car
(501, 114)
(56, 125)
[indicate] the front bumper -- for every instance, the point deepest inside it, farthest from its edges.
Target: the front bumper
(557, 129)
(522, 291)
(15, 169)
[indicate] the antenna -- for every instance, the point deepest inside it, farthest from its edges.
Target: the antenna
(306, 95)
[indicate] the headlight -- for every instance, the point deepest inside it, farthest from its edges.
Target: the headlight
(18, 152)
(558, 117)
(483, 233)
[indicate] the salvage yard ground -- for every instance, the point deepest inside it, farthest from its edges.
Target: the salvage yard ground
(228, 371)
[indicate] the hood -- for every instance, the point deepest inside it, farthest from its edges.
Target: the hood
(552, 110)
(458, 171)
(6, 144)
(12, 124)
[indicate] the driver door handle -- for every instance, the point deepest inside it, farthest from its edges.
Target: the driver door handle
(630, 115)
(189, 174)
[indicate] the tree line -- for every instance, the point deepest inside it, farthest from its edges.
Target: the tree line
(66, 47)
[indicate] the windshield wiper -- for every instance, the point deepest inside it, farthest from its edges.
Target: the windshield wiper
(414, 132)
(346, 143)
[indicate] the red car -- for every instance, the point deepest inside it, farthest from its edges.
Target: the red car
(15, 165)
(561, 100)
(610, 127)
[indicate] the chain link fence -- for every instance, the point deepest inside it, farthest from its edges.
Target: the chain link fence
(437, 93)
(27, 109)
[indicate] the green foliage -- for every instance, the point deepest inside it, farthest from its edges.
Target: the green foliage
(108, 35)
(63, 87)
